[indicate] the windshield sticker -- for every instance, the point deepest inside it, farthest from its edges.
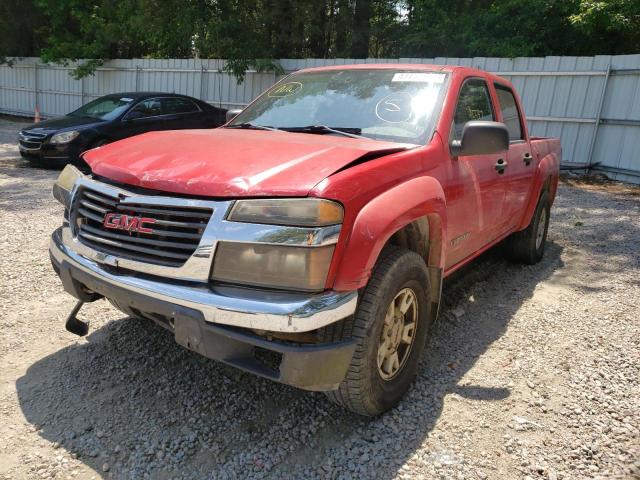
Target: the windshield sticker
(285, 90)
(126, 99)
(419, 77)
(394, 108)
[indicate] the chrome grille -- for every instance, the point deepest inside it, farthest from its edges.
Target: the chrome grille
(31, 141)
(174, 236)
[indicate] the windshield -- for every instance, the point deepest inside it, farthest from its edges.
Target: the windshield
(105, 108)
(379, 104)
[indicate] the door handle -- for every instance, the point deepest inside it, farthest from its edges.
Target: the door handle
(501, 164)
(527, 159)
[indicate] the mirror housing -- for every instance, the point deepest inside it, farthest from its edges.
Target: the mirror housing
(481, 138)
(231, 114)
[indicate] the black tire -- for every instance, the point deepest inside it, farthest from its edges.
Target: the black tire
(527, 246)
(363, 390)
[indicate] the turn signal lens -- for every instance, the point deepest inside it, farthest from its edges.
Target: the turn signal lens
(298, 212)
(273, 266)
(64, 185)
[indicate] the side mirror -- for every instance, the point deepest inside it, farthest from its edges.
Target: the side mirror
(133, 115)
(231, 114)
(481, 138)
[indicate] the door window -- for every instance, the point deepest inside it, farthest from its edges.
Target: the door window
(147, 108)
(510, 113)
(474, 103)
(175, 105)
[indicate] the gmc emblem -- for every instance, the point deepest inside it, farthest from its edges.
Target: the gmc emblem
(128, 223)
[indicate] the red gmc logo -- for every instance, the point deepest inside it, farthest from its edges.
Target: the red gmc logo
(128, 223)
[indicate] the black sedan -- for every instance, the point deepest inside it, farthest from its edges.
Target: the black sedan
(111, 118)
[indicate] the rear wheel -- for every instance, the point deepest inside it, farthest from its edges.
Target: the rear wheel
(390, 326)
(528, 245)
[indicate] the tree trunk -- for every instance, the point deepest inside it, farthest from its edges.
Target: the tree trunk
(361, 29)
(344, 17)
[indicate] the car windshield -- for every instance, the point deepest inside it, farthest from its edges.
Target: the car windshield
(380, 104)
(104, 108)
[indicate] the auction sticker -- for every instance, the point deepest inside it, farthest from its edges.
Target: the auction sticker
(285, 90)
(418, 77)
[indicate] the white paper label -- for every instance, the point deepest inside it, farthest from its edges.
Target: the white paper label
(418, 77)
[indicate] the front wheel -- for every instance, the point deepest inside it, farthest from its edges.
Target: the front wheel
(390, 326)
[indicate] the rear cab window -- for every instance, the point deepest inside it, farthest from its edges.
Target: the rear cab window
(510, 114)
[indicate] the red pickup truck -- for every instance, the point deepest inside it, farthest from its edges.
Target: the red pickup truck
(307, 240)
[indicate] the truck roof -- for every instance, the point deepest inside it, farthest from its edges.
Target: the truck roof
(463, 71)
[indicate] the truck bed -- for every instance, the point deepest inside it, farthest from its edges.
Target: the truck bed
(543, 146)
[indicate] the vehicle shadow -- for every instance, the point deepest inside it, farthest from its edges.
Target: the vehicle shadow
(130, 396)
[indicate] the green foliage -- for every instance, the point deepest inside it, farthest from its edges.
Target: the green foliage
(238, 67)
(615, 23)
(19, 21)
(250, 32)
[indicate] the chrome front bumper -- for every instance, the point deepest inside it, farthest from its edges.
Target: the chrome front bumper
(235, 306)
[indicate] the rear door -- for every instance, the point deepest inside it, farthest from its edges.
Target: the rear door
(518, 175)
(181, 113)
(475, 191)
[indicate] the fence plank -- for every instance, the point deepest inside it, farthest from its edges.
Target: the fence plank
(561, 95)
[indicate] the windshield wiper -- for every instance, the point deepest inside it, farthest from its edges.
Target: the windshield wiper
(251, 126)
(320, 129)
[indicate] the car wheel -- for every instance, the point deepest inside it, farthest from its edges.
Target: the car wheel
(390, 327)
(527, 246)
(32, 160)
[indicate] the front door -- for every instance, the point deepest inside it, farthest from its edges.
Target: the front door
(475, 193)
(146, 116)
(181, 113)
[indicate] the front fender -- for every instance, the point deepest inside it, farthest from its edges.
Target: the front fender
(378, 220)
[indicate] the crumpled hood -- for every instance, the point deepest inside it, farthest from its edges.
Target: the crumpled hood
(229, 162)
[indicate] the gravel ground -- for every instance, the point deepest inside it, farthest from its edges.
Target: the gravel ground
(531, 372)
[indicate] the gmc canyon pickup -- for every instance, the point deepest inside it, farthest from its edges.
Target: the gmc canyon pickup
(307, 239)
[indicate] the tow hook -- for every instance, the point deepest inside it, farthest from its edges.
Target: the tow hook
(74, 325)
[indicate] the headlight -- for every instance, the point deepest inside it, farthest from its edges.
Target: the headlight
(273, 266)
(279, 264)
(299, 212)
(64, 185)
(64, 137)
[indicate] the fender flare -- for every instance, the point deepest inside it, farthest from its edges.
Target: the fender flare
(546, 176)
(383, 216)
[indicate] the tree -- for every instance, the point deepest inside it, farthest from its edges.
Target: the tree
(361, 29)
(19, 32)
(251, 33)
(612, 25)
(343, 19)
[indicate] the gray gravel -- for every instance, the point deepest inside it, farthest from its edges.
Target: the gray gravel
(531, 372)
